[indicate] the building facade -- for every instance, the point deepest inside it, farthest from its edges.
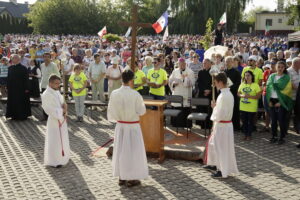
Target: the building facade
(275, 22)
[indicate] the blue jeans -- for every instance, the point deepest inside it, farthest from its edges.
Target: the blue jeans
(279, 115)
(79, 105)
(248, 122)
(156, 97)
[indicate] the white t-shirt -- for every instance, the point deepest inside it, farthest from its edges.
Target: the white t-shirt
(116, 57)
(274, 93)
(68, 66)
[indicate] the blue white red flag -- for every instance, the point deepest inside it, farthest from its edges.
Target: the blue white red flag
(161, 23)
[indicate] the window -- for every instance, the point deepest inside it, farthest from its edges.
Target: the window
(269, 22)
(279, 21)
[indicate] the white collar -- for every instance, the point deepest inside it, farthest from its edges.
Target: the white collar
(225, 89)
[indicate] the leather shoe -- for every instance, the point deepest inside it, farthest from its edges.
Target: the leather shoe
(218, 174)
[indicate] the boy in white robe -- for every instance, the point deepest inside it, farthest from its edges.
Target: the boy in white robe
(125, 106)
(220, 152)
(57, 150)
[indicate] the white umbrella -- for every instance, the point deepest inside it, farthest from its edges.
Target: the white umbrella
(215, 50)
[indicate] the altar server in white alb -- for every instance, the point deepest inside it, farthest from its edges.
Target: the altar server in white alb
(57, 150)
(125, 107)
(182, 81)
(220, 152)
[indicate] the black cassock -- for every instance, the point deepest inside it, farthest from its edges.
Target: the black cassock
(235, 77)
(204, 82)
(18, 101)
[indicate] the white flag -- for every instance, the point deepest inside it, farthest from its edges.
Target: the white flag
(223, 19)
(102, 32)
(166, 34)
(128, 32)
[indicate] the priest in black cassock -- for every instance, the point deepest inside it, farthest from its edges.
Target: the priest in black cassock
(18, 101)
(234, 75)
(204, 87)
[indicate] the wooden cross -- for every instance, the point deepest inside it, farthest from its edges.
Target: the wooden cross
(134, 28)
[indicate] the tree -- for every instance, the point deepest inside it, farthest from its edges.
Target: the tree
(88, 16)
(65, 17)
(250, 17)
(191, 16)
(207, 39)
(8, 22)
(293, 9)
(112, 37)
(3, 25)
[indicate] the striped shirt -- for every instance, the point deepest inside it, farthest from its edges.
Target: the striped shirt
(3, 71)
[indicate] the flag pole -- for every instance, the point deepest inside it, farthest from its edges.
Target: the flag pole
(226, 26)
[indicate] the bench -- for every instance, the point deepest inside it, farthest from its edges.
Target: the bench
(32, 100)
(88, 103)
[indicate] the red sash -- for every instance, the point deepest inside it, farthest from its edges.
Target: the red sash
(225, 122)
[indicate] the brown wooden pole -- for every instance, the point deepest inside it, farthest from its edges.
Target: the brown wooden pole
(133, 36)
(213, 89)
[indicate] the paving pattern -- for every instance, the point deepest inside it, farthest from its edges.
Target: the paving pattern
(266, 171)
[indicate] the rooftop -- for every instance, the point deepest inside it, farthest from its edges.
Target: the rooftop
(15, 9)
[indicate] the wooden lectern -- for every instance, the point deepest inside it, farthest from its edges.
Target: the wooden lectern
(152, 125)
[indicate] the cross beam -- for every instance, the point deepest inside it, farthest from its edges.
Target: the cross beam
(134, 28)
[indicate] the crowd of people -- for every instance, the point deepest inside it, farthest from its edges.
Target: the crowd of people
(264, 73)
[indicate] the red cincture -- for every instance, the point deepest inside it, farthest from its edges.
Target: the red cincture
(225, 122)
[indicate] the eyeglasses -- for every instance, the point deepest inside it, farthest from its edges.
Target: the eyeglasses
(154, 62)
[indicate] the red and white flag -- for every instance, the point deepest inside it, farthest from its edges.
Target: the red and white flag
(223, 19)
(102, 32)
(161, 23)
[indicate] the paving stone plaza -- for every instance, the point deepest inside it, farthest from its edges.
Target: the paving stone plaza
(267, 171)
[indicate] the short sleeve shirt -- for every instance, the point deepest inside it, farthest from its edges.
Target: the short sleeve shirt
(249, 105)
(158, 77)
(258, 73)
(138, 78)
(97, 69)
(77, 82)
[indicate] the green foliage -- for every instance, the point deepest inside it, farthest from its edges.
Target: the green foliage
(250, 17)
(191, 15)
(88, 17)
(207, 39)
(14, 25)
(293, 9)
(243, 27)
(112, 37)
(65, 17)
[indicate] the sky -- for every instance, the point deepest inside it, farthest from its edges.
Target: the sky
(270, 4)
